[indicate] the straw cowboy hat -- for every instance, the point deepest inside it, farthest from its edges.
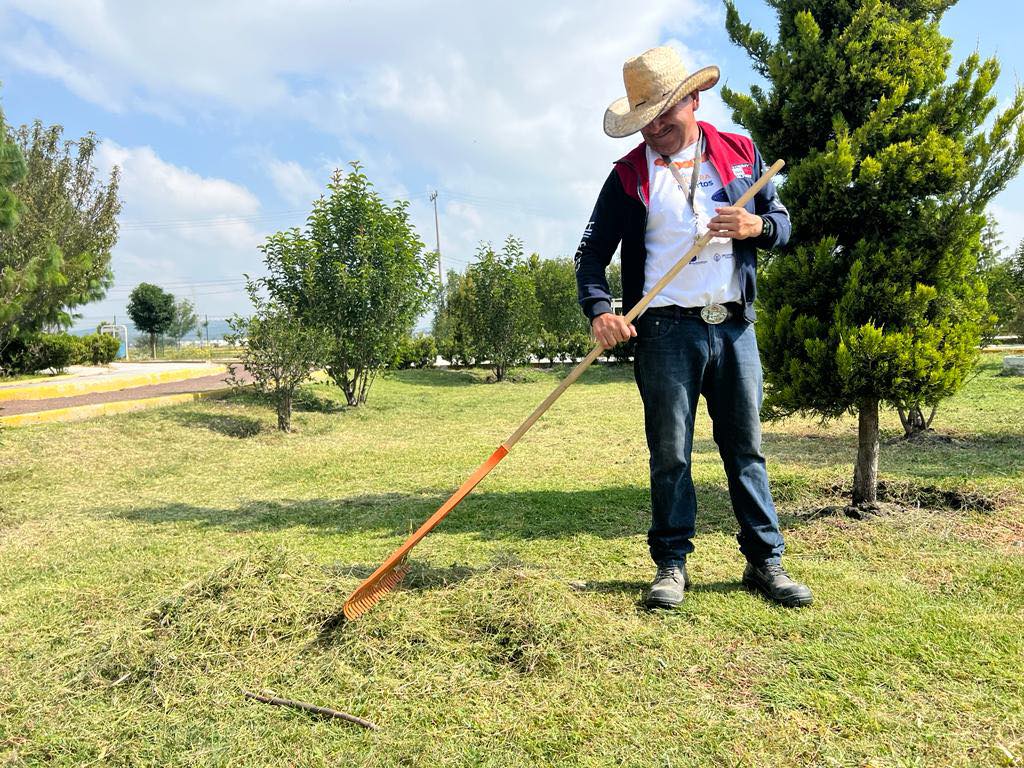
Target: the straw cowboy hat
(656, 80)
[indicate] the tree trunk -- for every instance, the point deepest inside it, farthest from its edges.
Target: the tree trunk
(913, 420)
(865, 474)
(152, 345)
(284, 412)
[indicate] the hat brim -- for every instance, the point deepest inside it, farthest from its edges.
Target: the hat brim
(621, 121)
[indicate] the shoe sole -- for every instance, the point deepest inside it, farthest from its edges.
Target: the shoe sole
(661, 604)
(793, 602)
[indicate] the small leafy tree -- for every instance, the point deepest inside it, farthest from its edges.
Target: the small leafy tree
(615, 278)
(564, 331)
(359, 272)
(1005, 280)
(184, 320)
(876, 299)
(451, 321)
(505, 317)
(278, 351)
(151, 309)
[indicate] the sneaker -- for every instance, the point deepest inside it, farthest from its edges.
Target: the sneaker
(772, 581)
(667, 589)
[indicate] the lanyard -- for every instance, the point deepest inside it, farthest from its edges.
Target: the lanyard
(693, 176)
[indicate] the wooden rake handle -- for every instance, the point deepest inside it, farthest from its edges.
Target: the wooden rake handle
(392, 569)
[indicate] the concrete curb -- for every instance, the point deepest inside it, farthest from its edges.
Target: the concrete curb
(112, 383)
(80, 412)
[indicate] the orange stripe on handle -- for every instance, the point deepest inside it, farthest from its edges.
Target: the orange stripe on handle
(353, 606)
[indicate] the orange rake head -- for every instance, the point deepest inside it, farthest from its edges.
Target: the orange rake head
(384, 579)
(374, 588)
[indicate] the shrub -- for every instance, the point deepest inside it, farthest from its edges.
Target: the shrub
(100, 348)
(56, 351)
(419, 351)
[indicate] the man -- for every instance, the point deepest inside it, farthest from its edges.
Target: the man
(697, 336)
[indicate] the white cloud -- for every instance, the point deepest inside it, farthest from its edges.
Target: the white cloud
(293, 183)
(191, 234)
(498, 106)
(1010, 219)
(32, 54)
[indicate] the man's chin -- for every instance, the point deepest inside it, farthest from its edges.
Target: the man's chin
(664, 147)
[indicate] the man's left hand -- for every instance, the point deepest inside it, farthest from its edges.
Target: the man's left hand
(735, 222)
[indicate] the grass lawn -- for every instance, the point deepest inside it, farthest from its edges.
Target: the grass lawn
(155, 565)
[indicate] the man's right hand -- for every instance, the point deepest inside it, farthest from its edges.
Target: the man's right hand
(610, 329)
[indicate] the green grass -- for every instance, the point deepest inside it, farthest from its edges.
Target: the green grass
(187, 353)
(155, 565)
(23, 377)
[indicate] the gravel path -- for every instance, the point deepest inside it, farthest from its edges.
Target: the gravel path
(202, 384)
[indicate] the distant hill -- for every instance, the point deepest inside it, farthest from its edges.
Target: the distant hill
(218, 328)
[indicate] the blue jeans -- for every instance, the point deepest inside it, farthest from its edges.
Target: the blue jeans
(677, 360)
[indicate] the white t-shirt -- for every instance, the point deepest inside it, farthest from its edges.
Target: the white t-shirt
(711, 277)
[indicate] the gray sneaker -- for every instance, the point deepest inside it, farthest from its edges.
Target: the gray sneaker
(668, 588)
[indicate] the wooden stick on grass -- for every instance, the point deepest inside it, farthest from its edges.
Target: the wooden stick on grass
(325, 711)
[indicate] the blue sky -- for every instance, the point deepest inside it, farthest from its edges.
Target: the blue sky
(228, 117)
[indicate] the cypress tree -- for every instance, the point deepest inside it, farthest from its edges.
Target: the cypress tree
(12, 168)
(876, 300)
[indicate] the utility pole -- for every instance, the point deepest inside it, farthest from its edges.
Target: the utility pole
(437, 233)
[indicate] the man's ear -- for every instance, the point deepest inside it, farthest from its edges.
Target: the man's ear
(696, 100)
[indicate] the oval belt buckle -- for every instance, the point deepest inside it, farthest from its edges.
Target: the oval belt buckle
(713, 314)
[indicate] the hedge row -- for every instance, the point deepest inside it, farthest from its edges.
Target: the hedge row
(54, 352)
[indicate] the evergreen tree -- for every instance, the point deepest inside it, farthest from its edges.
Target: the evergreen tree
(12, 169)
(184, 321)
(877, 298)
(22, 276)
(62, 246)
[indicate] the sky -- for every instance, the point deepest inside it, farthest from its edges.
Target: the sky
(227, 118)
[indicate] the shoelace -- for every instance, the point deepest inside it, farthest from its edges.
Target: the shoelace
(667, 572)
(774, 569)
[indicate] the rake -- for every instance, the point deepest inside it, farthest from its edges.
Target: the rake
(394, 569)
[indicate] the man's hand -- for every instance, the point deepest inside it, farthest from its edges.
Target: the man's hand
(735, 222)
(610, 329)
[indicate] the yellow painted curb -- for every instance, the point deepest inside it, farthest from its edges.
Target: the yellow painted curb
(79, 412)
(110, 383)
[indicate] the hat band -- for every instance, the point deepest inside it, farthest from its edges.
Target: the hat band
(639, 104)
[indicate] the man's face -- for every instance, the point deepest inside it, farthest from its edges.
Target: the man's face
(673, 129)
